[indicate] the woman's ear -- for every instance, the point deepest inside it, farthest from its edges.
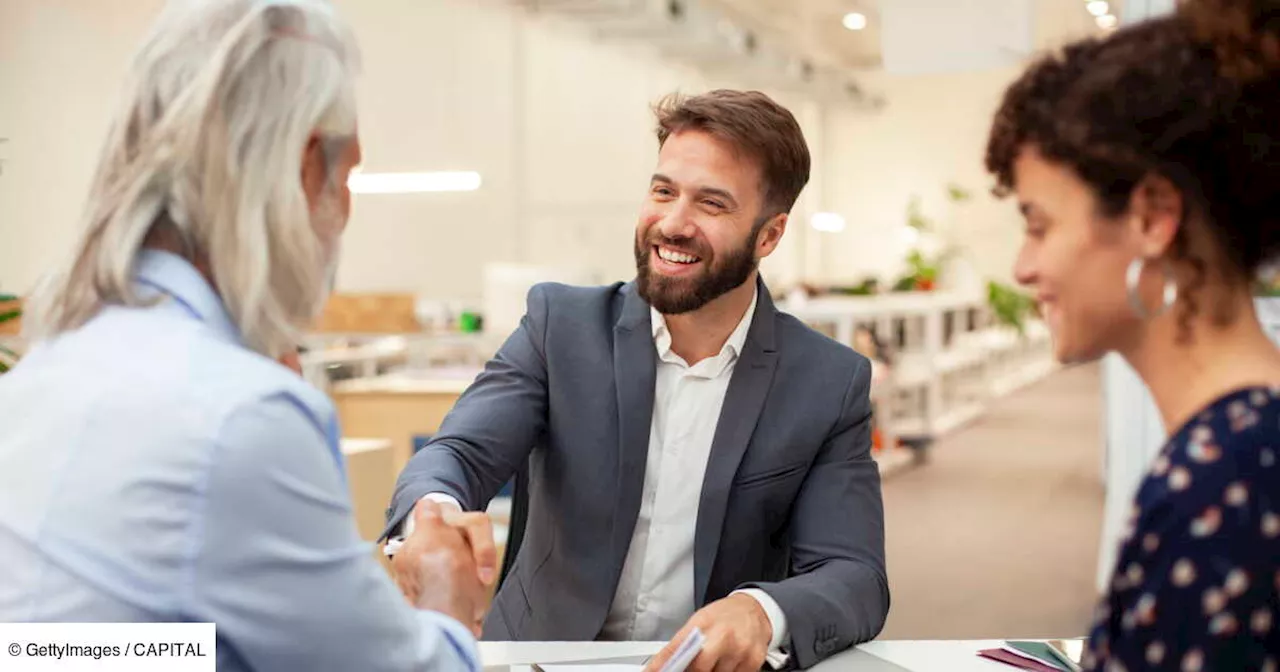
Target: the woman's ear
(314, 169)
(1156, 212)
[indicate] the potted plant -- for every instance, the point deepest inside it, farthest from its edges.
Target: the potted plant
(921, 276)
(9, 312)
(923, 270)
(1010, 306)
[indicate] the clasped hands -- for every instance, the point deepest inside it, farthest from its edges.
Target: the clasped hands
(449, 562)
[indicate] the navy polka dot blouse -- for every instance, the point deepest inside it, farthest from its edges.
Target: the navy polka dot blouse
(1198, 573)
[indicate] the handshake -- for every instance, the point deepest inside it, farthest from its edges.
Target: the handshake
(448, 563)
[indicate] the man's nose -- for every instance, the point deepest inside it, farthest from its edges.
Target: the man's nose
(676, 224)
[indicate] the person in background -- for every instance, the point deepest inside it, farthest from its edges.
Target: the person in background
(156, 462)
(695, 457)
(1146, 165)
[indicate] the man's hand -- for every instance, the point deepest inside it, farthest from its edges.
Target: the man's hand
(436, 571)
(737, 632)
(478, 530)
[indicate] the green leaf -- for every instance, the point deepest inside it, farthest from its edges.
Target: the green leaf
(958, 194)
(8, 297)
(11, 315)
(1009, 306)
(915, 216)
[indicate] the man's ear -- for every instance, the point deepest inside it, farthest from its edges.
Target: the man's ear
(1156, 212)
(771, 234)
(314, 169)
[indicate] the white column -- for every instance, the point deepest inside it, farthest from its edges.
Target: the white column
(1133, 430)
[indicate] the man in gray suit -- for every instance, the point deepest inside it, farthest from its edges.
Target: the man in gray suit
(689, 447)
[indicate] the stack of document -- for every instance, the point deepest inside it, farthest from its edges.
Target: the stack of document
(684, 655)
(1050, 656)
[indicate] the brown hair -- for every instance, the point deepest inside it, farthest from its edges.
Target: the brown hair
(1193, 98)
(754, 125)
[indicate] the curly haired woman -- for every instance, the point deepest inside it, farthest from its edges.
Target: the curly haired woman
(1147, 166)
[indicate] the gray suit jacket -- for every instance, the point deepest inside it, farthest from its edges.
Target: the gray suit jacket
(790, 502)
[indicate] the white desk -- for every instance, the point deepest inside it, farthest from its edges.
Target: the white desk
(879, 656)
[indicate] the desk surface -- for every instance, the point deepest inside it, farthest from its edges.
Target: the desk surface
(351, 446)
(921, 656)
(452, 381)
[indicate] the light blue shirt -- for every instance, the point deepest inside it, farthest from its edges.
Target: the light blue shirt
(152, 468)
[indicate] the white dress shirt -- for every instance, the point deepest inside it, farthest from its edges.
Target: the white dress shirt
(655, 595)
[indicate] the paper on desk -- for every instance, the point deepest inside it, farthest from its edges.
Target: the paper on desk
(683, 656)
(593, 667)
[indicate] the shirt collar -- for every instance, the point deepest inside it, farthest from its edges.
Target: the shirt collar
(733, 346)
(159, 272)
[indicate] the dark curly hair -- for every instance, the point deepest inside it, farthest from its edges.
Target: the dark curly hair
(1194, 98)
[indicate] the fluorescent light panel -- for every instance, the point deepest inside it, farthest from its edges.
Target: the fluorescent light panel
(829, 222)
(413, 183)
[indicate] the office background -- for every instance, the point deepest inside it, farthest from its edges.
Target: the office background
(995, 461)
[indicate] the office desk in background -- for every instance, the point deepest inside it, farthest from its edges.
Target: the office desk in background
(878, 656)
(399, 406)
(370, 478)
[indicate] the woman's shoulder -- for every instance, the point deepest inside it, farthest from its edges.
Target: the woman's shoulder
(1244, 424)
(1226, 451)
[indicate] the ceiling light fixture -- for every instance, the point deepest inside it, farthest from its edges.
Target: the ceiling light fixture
(413, 183)
(1107, 21)
(827, 222)
(855, 21)
(1098, 7)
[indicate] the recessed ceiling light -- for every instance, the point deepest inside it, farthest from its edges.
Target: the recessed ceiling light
(1098, 7)
(855, 21)
(1107, 21)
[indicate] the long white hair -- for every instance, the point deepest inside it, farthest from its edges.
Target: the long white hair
(220, 105)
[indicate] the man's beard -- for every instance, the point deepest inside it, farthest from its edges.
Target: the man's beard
(673, 296)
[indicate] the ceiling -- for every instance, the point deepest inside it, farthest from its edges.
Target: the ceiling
(814, 27)
(803, 44)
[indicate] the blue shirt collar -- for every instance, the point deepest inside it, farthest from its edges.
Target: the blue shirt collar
(157, 271)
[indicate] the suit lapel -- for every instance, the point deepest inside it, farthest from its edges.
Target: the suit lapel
(635, 364)
(748, 388)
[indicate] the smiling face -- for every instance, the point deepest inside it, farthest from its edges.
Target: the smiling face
(1074, 260)
(701, 232)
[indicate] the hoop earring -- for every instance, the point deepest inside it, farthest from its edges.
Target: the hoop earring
(1132, 280)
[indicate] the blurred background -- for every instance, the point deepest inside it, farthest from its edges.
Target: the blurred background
(510, 142)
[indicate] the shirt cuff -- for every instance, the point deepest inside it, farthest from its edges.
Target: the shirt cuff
(406, 528)
(777, 620)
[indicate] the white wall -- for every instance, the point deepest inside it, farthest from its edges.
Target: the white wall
(61, 64)
(933, 132)
(557, 123)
